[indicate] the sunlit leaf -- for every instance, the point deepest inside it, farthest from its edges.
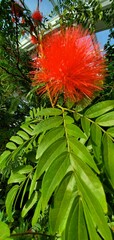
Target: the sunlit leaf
(68, 119)
(24, 192)
(106, 120)
(99, 109)
(49, 138)
(95, 209)
(16, 178)
(75, 131)
(81, 151)
(63, 200)
(108, 155)
(36, 214)
(26, 128)
(90, 179)
(4, 231)
(23, 134)
(49, 155)
(85, 125)
(53, 176)
(111, 131)
(16, 139)
(47, 124)
(96, 137)
(3, 158)
(11, 145)
(93, 235)
(24, 169)
(33, 184)
(49, 112)
(76, 225)
(30, 203)
(10, 200)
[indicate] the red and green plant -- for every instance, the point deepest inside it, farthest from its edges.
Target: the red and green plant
(59, 165)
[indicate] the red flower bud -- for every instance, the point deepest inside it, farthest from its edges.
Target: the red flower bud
(33, 39)
(37, 16)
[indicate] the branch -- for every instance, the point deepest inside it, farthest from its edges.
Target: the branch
(16, 75)
(10, 73)
(31, 233)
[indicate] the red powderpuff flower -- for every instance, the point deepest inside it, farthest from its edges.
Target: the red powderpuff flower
(70, 64)
(33, 39)
(37, 16)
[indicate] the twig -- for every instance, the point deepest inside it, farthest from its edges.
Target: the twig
(16, 75)
(30, 233)
(10, 73)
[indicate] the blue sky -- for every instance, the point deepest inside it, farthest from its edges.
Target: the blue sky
(45, 6)
(102, 37)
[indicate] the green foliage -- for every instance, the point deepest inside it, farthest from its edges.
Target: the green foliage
(86, 13)
(14, 68)
(4, 231)
(59, 167)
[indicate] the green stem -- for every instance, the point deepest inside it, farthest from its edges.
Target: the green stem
(30, 233)
(81, 115)
(90, 120)
(66, 131)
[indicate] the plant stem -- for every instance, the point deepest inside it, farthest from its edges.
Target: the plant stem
(30, 233)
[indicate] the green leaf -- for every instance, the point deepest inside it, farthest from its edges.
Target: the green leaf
(3, 159)
(108, 156)
(106, 120)
(24, 191)
(75, 131)
(47, 124)
(30, 203)
(46, 160)
(4, 231)
(90, 179)
(99, 109)
(18, 151)
(24, 169)
(26, 128)
(95, 208)
(82, 152)
(23, 134)
(111, 131)
(96, 137)
(33, 184)
(36, 212)
(16, 178)
(90, 224)
(63, 200)
(53, 177)
(49, 112)
(11, 146)
(68, 119)
(49, 156)
(16, 139)
(76, 225)
(48, 139)
(85, 125)
(10, 200)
